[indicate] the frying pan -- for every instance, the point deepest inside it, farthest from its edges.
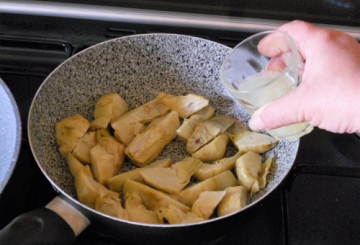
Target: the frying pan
(10, 134)
(138, 67)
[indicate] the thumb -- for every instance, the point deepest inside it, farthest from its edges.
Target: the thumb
(280, 112)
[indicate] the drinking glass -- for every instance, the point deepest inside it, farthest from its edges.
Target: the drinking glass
(254, 79)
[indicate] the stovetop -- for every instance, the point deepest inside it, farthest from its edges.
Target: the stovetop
(316, 204)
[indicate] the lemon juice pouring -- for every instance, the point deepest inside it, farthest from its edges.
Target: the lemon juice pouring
(247, 75)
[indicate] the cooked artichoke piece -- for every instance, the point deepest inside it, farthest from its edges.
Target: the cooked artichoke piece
(102, 132)
(87, 189)
(254, 141)
(161, 163)
(75, 165)
(124, 129)
(112, 146)
(173, 216)
(110, 106)
(117, 182)
(102, 163)
(108, 202)
(82, 148)
(170, 215)
(190, 218)
(152, 199)
(246, 140)
(248, 168)
(138, 212)
(68, 132)
(265, 169)
(127, 126)
(101, 122)
(171, 180)
(237, 129)
(234, 200)
(214, 150)
(139, 128)
(184, 105)
(217, 183)
(207, 130)
(208, 170)
(205, 205)
(188, 125)
(149, 144)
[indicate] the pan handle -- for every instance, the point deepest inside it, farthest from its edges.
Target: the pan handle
(57, 223)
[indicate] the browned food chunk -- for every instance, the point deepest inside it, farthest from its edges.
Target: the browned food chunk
(214, 150)
(149, 144)
(117, 182)
(152, 199)
(184, 105)
(189, 124)
(217, 183)
(110, 106)
(206, 131)
(234, 200)
(82, 148)
(133, 122)
(69, 131)
(138, 212)
(207, 170)
(171, 180)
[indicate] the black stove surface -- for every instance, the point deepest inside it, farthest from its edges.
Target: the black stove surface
(316, 204)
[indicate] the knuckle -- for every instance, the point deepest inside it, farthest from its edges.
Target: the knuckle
(302, 25)
(326, 35)
(330, 35)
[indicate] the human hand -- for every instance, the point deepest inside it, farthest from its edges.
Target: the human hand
(329, 94)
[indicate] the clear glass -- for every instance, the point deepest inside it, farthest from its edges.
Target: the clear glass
(254, 79)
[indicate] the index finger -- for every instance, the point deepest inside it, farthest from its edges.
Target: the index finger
(298, 30)
(274, 44)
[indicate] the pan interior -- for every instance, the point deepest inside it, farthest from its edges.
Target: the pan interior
(137, 67)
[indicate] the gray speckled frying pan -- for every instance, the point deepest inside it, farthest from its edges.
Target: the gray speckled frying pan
(10, 134)
(138, 67)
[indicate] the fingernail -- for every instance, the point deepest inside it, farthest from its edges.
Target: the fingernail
(256, 122)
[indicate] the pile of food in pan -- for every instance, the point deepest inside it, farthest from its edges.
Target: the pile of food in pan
(204, 184)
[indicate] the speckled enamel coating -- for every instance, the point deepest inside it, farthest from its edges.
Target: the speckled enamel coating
(137, 67)
(10, 134)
